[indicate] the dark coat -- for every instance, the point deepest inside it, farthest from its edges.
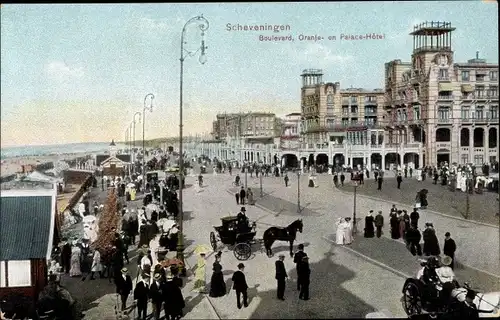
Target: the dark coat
(156, 292)
(174, 301)
(243, 194)
(239, 281)
(297, 259)
(449, 247)
(431, 243)
(280, 270)
(123, 286)
(413, 236)
(304, 273)
(379, 220)
(141, 292)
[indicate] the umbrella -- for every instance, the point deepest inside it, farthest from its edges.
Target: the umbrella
(424, 191)
(131, 185)
(152, 207)
(170, 262)
(202, 249)
(165, 224)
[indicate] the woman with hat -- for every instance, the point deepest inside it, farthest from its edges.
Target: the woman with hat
(217, 284)
(174, 301)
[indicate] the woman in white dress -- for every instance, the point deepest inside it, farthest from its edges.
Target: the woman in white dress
(348, 231)
(75, 261)
(96, 265)
(340, 234)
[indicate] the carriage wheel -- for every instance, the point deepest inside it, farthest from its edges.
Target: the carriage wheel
(242, 251)
(412, 302)
(213, 241)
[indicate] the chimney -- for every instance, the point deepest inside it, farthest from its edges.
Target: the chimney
(477, 54)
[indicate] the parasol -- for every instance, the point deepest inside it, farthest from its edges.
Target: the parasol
(170, 262)
(89, 219)
(131, 185)
(152, 207)
(202, 249)
(165, 224)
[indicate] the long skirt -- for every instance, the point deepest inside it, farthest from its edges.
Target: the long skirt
(217, 285)
(75, 271)
(369, 231)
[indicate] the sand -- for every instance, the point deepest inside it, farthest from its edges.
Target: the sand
(11, 166)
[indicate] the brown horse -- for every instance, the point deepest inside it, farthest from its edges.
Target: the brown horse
(282, 234)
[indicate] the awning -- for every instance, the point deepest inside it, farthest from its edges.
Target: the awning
(445, 87)
(467, 88)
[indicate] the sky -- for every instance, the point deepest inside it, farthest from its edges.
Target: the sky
(78, 73)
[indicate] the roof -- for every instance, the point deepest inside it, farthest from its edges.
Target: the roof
(27, 221)
(100, 158)
(112, 158)
(37, 176)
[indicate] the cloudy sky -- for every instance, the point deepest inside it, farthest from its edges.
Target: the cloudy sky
(78, 73)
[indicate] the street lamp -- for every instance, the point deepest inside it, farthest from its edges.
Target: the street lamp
(203, 26)
(354, 224)
(298, 191)
(150, 108)
(261, 191)
(133, 132)
(126, 139)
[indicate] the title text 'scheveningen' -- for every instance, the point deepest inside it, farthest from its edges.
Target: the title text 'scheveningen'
(258, 27)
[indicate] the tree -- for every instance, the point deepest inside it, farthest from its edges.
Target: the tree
(108, 223)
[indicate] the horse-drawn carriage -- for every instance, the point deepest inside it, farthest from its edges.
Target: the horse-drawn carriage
(235, 232)
(447, 299)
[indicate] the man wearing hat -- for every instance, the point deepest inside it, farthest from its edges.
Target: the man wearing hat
(243, 195)
(156, 294)
(379, 223)
(174, 301)
(141, 295)
(449, 248)
(447, 277)
(297, 259)
(240, 286)
(305, 276)
(242, 219)
(281, 276)
(123, 286)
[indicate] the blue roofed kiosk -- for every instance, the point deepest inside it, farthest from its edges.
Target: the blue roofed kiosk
(27, 230)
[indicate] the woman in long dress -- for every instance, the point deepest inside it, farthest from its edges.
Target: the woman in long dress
(394, 221)
(348, 231)
(217, 284)
(369, 225)
(250, 197)
(340, 234)
(96, 265)
(76, 253)
(200, 274)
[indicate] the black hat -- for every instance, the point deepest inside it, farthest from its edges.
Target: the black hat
(241, 265)
(301, 246)
(447, 234)
(243, 209)
(371, 211)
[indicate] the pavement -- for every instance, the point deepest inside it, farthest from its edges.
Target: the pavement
(483, 207)
(346, 281)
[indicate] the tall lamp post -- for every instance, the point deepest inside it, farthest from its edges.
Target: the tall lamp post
(150, 108)
(298, 191)
(203, 26)
(133, 132)
(354, 224)
(126, 139)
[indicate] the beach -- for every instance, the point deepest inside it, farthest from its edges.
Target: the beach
(13, 165)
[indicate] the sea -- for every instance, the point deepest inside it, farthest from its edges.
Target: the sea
(46, 150)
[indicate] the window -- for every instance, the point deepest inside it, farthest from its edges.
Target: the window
(345, 101)
(416, 113)
(493, 91)
(465, 158)
(345, 110)
(479, 77)
(329, 99)
(493, 75)
(443, 74)
(443, 113)
(478, 159)
(465, 75)
(354, 109)
(479, 91)
(354, 100)
(405, 116)
(354, 121)
(479, 112)
(345, 122)
(494, 112)
(19, 274)
(465, 113)
(370, 99)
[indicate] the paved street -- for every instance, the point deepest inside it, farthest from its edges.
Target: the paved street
(441, 199)
(472, 238)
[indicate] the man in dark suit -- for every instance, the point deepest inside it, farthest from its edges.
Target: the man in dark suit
(174, 301)
(124, 287)
(297, 259)
(305, 276)
(449, 248)
(141, 295)
(156, 294)
(240, 285)
(66, 256)
(243, 195)
(281, 276)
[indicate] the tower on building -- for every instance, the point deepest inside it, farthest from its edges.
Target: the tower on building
(312, 77)
(112, 149)
(430, 38)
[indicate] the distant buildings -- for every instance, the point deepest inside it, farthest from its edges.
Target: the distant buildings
(431, 110)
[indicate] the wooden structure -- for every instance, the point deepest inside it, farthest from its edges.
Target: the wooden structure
(27, 233)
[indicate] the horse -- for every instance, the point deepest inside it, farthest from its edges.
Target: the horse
(283, 234)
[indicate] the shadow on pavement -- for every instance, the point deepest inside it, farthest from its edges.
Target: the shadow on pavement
(441, 199)
(334, 302)
(188, 215)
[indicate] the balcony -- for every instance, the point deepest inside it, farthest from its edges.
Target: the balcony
(444, 79)
(370, 112)
(445, 97)
(481, 120)
(443, 145)
(412, 145)
(493, 96)
(444, 120)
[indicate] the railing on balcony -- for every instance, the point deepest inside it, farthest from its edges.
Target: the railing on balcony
(370, 112)
(444, 78)
(444, 120)
(445, 97)
(412, 145)
(480, 119)
(445, 145)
